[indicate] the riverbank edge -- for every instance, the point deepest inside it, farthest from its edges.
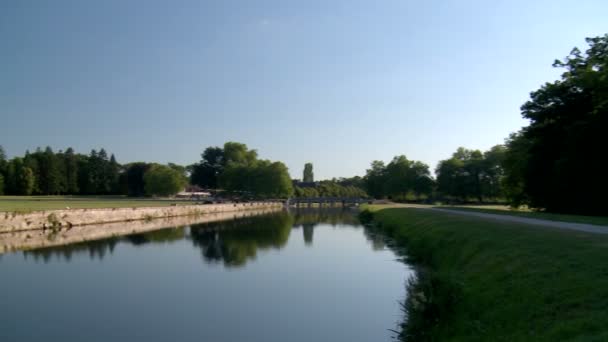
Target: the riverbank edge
(484, 280)
(57, 219)
(430, 297)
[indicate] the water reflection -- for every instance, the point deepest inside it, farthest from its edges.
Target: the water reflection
(235, 242)
(309, 218)
(313, 266)
(96, 249)
(231, 243)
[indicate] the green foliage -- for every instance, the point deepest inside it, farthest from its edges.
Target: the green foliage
(26, 181)
(160, 180)
(206, 173)
(343, 187)
(236, 169)
(553, 163)
(1, 184)
(308, 175)
(3, 162)
(134, 178)
(401, 180)
(498, 281)
(471, 174)
(239, 154)
(70, 161)
(261, 179)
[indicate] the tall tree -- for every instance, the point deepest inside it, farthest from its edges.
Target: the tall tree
(113, 175)
(26, 181)
(308, 176)
(205, 173)
(3, 161)
(71, 171)
(50, 176)
(161, 180)
(568, 121)
(375, 178)
(135, 178)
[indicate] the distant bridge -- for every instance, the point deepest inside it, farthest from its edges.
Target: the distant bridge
(326, 201)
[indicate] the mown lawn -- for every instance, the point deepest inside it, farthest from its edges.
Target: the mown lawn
(34, 203)
(484, 280)
(504, 210)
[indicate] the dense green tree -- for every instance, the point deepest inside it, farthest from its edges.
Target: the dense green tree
(493, 172)
(49, 172)
(206, 173)
(238, 153)
(243, 172)
(514, 163)
(401, 179)
(113, 175)
(1, 184)
(568, 120)
(472, 175)
(26, 181)
(375, 179)
(3, 161)
(20, 178)
(161, 180)
(30, 160)
(70, 161)
(308, 175)
(135, 178)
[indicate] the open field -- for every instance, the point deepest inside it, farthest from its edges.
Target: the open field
(505, 210)
(34, 203)
(496, 281)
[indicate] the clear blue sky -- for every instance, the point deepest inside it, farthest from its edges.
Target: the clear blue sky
(336, 83)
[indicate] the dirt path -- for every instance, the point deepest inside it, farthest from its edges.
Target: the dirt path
(589, 228)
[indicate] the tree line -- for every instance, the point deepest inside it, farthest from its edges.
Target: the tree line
(45, 172)
(237, 169)
(553, 164)
(329, 188)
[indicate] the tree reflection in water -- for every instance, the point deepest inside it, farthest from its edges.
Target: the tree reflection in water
(235, 242)
(231, 243)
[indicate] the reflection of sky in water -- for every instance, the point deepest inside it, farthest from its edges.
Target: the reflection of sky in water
(277, 277)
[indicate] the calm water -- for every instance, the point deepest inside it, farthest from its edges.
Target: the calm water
(307, 276)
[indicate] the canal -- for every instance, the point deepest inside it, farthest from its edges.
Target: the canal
(308, 275)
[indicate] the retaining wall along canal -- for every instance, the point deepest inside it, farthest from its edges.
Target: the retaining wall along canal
(56, 219)
(31, 239)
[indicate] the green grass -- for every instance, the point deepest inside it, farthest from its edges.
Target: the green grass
(504, 210)
(35, 203)
(485, 280)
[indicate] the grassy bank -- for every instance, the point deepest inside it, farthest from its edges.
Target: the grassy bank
(491, 281)
(33, 203)
(598, 220)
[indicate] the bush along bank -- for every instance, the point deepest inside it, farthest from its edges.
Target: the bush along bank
(480, 280)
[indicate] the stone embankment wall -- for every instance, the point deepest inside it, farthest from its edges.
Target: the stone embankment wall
(31, 239)
(57, 219)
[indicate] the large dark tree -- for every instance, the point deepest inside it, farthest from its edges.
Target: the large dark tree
(565, 141)
(49, 172)
(205, 173)
(135, 178)
(3, 161)
(70, 161)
